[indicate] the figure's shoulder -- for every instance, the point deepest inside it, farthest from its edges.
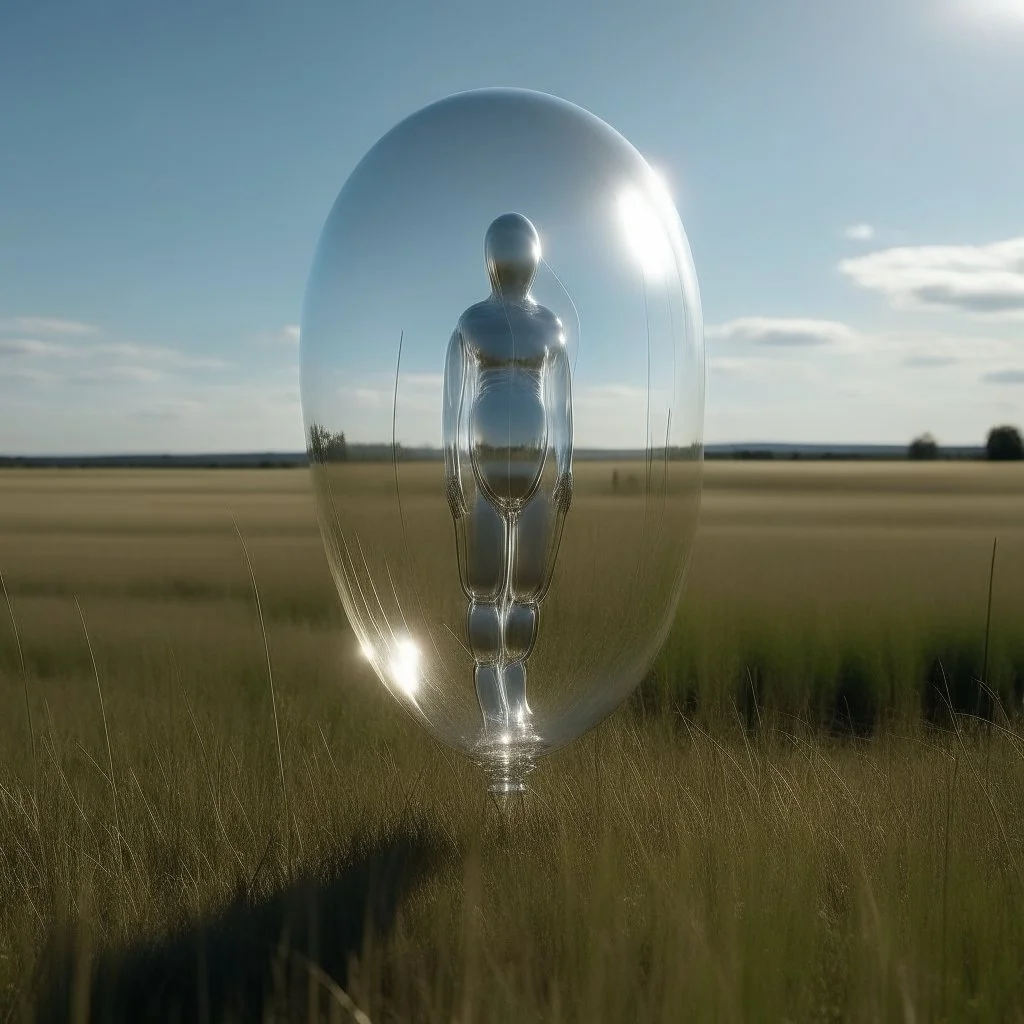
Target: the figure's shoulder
(544, 315)
(549, 320)
(479, 312)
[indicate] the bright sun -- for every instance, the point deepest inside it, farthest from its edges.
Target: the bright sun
(997, 12)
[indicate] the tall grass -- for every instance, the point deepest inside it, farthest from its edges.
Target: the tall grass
(695, 875)
(772, 830)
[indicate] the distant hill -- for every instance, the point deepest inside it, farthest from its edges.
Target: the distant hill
(229, 460)
(383, 453)
(889, 452)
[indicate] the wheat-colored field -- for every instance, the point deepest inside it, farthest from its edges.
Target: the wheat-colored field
(787, 822)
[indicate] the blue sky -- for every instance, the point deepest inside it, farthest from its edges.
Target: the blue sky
(850, 175)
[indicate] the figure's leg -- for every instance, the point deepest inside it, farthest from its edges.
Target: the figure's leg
(538, 531)
(534, 546)
(483, 622)
(520, 634)
(483, 573)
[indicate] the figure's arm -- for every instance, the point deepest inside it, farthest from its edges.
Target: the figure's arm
(454, 389)
(560, 412)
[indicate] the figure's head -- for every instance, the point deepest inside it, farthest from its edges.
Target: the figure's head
(512, 251)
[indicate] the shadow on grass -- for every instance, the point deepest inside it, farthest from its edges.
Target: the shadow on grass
(953, 684)
(274, 958)
(854, 710)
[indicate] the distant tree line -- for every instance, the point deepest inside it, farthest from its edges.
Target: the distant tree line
(923, 447)
(1004, 444)
(325, 446)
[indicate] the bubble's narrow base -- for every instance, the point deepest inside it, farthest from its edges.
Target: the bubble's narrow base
(506, 786)
(506, 769)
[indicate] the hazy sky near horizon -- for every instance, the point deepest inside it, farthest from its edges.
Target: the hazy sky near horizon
(850, 175)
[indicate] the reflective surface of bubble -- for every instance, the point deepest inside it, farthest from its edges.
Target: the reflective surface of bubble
(502, 377)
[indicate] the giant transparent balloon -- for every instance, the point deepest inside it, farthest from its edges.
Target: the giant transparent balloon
(502, 373)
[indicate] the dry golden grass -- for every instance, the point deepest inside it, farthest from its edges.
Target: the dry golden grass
(796, 568)
(734, 861)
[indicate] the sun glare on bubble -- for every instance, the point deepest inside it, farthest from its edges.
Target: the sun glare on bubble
(644, 233)
(405, 667)
(661, 189)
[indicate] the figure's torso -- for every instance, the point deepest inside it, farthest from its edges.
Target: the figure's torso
(508, 348)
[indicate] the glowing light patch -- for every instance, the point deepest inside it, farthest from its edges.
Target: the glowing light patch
(997, 10)
(644, 232)
(405, 666)
(661, 190)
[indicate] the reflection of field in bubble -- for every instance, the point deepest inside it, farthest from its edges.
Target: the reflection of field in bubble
(715, 865)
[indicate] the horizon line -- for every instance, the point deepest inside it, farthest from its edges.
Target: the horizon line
(296, 454)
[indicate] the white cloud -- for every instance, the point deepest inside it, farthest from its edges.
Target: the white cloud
(157, 354)
(286, 336)
(1004, 377)
(256, 413)
(44, 325)
(108, 374)
(859, 232)
(755, 366)
(415, 391)
(166, 410)
(26, 375)
(755, 344)
(986, 280)
(727, 367)
(83, 390)
(366, 398)
(602, 396)
(885, 387)
(422, 381)
(31, 338)
(924, 361)
(618, 415)
(931, 349)
(150, 359)
(33, 348)
(781, 332)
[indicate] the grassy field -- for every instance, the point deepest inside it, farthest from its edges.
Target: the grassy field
(811, 810)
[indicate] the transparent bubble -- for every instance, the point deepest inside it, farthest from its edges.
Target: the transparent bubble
(503, 322)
